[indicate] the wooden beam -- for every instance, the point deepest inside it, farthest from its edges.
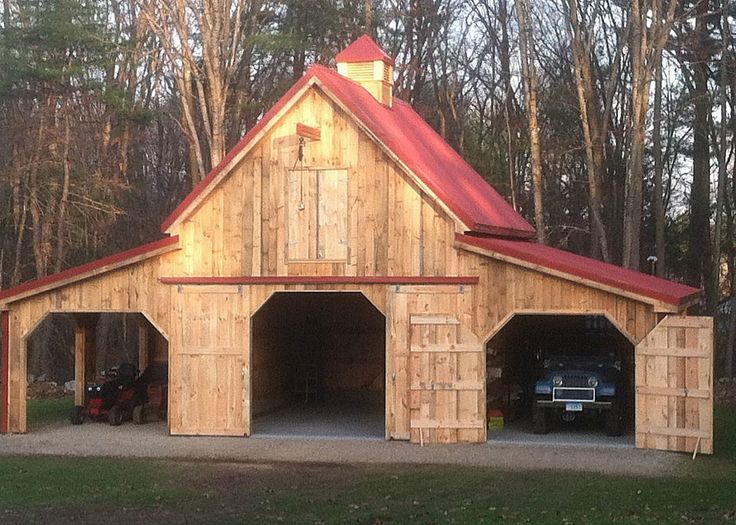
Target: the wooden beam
(84, 354)
(448, 347)
(674, 352)
(445, 423)
(319, 279)
(308, 132)
(668, 391)
(438, 319)
(677, 432)
(5, 378)
(143, 345)
(447, 385)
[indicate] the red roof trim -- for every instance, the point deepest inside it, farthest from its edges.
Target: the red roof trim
(638, 283)
(320, 279)
(364, 49)
(76, 271)
(5, 373)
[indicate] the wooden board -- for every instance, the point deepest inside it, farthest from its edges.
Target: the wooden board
(332, 216)
(674, 386)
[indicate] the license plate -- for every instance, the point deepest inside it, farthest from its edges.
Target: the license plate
(573, 407)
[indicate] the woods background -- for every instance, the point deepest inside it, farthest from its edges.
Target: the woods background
(609, 124)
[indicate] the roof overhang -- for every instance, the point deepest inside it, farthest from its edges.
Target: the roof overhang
(660, 300)
(86, 271)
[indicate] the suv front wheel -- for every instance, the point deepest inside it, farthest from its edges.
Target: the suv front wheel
(614, 421)
(541, 420)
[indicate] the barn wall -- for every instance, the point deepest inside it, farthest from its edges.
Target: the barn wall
(505, 288)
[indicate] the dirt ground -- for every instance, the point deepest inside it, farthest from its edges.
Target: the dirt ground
(152, 441)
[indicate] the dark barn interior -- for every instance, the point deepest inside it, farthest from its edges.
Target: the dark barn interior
(318, 365)
(516, 356)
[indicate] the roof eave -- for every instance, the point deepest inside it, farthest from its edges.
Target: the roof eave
(659, 304)
(87, 270)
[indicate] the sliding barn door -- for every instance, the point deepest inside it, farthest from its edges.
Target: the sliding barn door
(674, 386)
(438, 390)
(209, 369)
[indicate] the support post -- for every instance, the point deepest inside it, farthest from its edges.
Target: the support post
(84, 354)
(143, 346)
(5, 371)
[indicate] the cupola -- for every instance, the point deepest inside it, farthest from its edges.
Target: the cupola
(366, 63)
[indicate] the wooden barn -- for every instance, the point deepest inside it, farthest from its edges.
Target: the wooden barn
(343, 249)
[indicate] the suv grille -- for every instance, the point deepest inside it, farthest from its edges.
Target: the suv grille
(575, 380)
(573, 394)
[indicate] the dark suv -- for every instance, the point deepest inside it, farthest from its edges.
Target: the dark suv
(571, 386)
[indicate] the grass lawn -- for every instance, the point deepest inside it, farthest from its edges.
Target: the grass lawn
(41, 412)
(84, 490)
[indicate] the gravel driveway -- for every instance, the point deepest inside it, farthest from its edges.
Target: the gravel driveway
(152, 441)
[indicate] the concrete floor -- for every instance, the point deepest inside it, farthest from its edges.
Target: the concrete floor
(361, 420)
(585, 434)
(354, 420)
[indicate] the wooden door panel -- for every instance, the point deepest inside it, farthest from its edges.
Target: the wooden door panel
(437, 392)
(209, 364)
(674, 386)
(333, 215)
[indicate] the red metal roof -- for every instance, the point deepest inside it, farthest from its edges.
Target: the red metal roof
(414, 143)
(363, 49)
(591, 269)
(117, 260)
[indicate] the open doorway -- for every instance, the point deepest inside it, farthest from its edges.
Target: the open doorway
(560, 378)
(72, 358)
(318, 366)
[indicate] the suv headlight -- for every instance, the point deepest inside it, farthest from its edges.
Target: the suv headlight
(557, 381)
(592, 382)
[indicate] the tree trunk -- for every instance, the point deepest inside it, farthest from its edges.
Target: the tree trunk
(699, 238)
(722, 157)
(529, 74)
(505, 58)
(584, 84)
(658, 197)
(64, 198)
(634, 171)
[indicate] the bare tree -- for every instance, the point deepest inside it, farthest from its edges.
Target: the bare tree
(581, 51)
(531, 90)
(651, 22)
(203, 41)
(658, 196)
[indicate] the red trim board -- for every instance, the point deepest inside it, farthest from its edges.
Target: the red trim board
(308, 132)
(319, 279)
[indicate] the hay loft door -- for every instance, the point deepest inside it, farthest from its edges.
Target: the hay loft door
(674, 386)
(440, 396)
(209, 369)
